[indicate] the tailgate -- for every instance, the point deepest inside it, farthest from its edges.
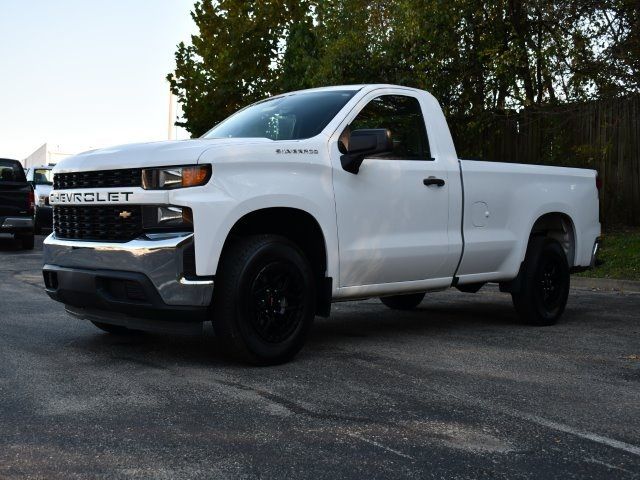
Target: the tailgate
(14, 189)
(14, 199)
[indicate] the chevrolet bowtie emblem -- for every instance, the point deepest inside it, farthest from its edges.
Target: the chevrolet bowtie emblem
(124, 214)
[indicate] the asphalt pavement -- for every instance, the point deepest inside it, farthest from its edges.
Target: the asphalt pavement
(456, 390)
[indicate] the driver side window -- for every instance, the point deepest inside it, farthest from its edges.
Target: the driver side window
(403, 117)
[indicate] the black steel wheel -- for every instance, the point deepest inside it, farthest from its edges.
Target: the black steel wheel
(264, 299)
(276, 301)
(544, 287)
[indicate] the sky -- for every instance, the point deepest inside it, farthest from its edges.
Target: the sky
(83, 74)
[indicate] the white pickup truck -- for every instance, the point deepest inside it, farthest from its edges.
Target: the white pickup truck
(305, 199)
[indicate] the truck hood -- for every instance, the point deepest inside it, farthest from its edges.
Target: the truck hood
(140, 155)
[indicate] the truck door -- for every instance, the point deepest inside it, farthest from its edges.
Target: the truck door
(393, 216)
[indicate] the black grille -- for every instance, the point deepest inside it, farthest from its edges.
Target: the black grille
(127, 177)
(116, 223)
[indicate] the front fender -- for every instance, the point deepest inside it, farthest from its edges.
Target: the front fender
(216, 212)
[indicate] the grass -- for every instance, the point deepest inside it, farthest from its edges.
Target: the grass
(620, 256)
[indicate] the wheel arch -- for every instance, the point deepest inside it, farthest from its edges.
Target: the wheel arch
(559, 226)
(300, 227)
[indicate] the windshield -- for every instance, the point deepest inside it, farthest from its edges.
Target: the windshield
(42, 176)
(288, 117)
(11, 171)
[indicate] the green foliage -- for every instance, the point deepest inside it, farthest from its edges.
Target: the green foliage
(620, 256)
(474, 56)
(233, 60)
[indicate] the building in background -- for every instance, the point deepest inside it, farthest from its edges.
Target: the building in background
(46, 155)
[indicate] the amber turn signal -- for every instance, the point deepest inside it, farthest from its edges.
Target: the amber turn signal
(194, 176)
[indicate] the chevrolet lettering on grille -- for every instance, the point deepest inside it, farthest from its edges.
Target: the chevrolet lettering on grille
(57, 198)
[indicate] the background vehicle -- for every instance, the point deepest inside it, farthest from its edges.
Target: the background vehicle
(303, 200)
(16, 203)
(41, 178)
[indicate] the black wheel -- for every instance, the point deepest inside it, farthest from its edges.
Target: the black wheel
(114, 329)
(37, 228)
(264, 299)
(545, 283)
(27, 241)
(403, 302)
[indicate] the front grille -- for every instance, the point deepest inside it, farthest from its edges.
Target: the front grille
(126, 177)
(115, 223)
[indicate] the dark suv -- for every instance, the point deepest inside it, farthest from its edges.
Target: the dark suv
(17, 203)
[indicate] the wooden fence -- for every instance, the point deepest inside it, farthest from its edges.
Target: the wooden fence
(603, 135)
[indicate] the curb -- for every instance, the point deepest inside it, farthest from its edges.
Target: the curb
(611, 284)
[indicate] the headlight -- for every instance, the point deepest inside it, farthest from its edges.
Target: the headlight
(175, 177)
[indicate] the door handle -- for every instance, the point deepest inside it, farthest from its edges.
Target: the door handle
(433, 181)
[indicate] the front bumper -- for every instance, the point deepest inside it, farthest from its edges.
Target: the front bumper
(16, 224)
(144, 278)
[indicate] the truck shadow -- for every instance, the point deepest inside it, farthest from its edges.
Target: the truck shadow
(344, 330)
(353, 327)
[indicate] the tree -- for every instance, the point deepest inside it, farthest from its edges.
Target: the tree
(475, 56)
(234, 60)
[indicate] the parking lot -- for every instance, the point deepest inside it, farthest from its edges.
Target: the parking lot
(455, 389)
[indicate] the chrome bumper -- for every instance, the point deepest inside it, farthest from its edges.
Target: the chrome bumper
(158, 257)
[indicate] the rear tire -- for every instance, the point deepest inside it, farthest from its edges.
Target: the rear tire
(544, 289)
(264, 299)
(113, 329)
(403, 302)
(27, 241)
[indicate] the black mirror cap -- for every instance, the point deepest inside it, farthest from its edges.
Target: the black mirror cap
(356, 145)
(371, 141)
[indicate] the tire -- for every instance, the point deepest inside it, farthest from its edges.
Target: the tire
(37, 226)
(264, 299)
(403, 302)
(113, 329)
(27, 241)
(544, 289)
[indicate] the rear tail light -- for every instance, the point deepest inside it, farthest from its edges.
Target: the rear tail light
(31, 200)
(598, 183)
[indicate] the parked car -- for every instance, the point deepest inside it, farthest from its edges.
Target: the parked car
(41, 178)
(305, 199)
(16, 203)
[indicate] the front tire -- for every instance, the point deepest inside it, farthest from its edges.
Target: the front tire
(37, 224)
(264, 299)
(27, 241)
(544, 290)
(403, 302)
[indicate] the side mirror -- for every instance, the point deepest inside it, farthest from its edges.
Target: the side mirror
(357, 145)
